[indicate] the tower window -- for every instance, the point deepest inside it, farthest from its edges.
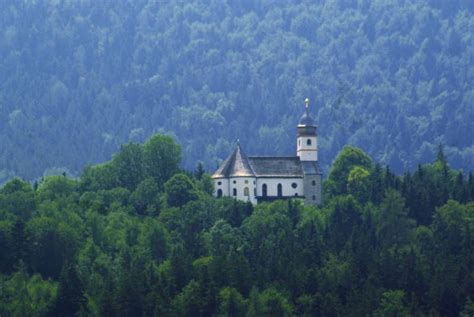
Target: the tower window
(234, 191)
(280, 190)
(308, 142)
(246, 191)
(235, 182)
(219, 193)
(313, 183)
(314, 197)
(294, 185)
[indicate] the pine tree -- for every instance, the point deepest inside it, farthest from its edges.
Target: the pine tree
(71, 297)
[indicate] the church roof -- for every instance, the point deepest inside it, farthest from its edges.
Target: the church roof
(276, 166)
(237, 164)
(306, 119)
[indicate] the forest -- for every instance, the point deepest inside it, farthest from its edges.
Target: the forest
(139, 236)
(80, 78)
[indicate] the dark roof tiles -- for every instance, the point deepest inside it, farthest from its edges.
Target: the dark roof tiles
(276, 166)
(239, 165)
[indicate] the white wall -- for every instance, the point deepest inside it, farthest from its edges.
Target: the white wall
(307, 152)
(240, 183)
(255, 185)
(272, 186)
(224, 185)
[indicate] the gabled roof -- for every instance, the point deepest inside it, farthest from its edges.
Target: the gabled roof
(237, 164)
(276, 166)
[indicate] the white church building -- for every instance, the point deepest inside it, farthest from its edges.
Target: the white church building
(267, 178)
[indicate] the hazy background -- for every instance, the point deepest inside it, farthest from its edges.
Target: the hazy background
(80, 78)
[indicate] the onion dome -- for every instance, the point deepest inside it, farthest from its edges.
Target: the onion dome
(306, 125)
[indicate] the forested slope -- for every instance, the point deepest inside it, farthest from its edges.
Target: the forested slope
(137, 237)
(78, 78)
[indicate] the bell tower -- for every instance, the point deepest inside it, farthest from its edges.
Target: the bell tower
(307, 141)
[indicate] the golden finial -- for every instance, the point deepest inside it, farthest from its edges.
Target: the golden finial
(306, 101)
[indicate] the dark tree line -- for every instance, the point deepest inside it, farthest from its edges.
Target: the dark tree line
(138, 236)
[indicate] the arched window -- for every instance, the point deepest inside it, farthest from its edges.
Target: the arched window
(280, 190)
(219, 193)
(308, 142)
(264, 190)
(234, 191)
(246, 191)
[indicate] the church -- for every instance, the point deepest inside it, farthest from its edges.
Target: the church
(267, 178)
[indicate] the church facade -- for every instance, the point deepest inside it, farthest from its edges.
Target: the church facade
(267, 178)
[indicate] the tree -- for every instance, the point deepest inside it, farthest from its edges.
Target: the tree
(17, 197)
(344, 217)
(358, 183)
(54, 187)
(187, 303)
(51, 244)
(468, 309)
(161, 156)
(128, 165)
(394, 226)
(231, 303)
(70, 299)
(391, 305)
(145, 198)
(270, 303)
(349, 158)
(179, 190)
(26, 296)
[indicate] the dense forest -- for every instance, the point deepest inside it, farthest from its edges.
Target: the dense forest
(138, 236)
(79, 78)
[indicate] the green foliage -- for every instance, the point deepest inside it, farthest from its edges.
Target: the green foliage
(145, 198)
(391, 305)
(358, 183)
(179, 190)
(50, 245)
(394, 226)
(158, 158)
(269, 303)
(104, 246)
(55, 187)
(161, 156)
(231, 303)
(23, 295)
(350, 166)
(17, 197)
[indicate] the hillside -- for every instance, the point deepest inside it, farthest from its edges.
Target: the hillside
(135, 236)
(79, 78)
